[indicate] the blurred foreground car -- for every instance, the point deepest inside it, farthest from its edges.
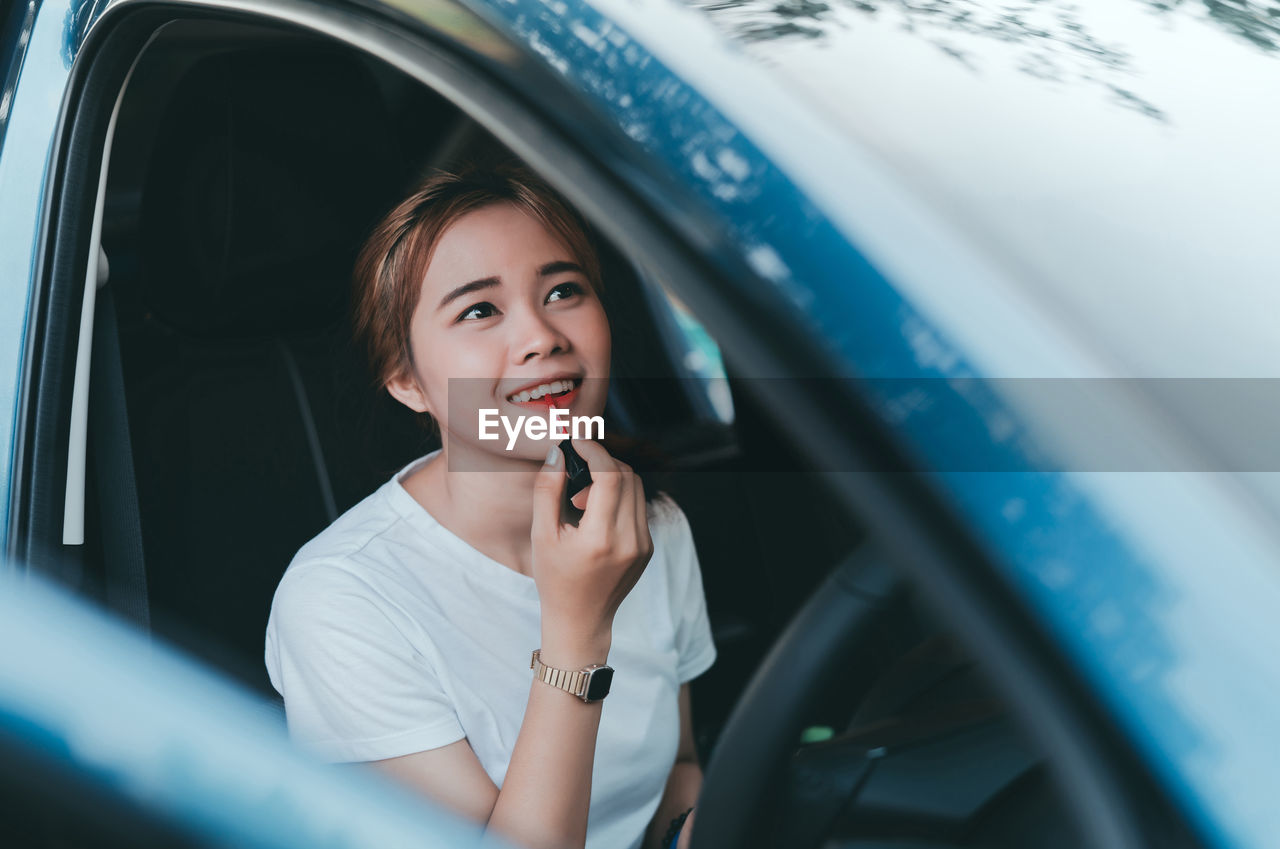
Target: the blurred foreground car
(107, 739)
(956, 322)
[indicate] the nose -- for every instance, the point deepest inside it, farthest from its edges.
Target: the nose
(534, 335)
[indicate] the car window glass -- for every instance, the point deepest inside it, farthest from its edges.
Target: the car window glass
(981, 113)
(695, 353)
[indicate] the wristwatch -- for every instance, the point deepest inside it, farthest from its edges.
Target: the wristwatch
(590, 683)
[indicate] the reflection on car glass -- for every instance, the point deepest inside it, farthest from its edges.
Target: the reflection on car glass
(1059, 41)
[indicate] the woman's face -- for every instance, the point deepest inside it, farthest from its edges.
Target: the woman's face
(505, 307)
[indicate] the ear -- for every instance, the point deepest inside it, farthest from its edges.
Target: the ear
(404, 388)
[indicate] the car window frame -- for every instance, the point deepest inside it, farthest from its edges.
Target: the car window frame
(925, 537)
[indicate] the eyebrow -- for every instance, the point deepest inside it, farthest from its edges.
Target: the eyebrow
(467, 288)
(556, 267)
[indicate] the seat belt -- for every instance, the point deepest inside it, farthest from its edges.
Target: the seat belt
(309, 427)
(126, 574)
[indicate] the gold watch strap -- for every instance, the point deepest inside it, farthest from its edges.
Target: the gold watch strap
(570, 680)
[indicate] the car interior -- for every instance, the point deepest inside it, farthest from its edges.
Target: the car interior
(248, 163)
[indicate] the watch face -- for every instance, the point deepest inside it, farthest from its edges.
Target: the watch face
(598, 685)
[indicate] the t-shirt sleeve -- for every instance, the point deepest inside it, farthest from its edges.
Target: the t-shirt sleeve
(354, 687)
(697, 651)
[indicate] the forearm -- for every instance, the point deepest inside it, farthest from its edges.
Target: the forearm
(683, 785)
(545, 796)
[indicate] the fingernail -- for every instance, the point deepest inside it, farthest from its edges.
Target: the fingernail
(554, 456)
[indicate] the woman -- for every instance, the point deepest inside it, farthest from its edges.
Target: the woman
(402, 634)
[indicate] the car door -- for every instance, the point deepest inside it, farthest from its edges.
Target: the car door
(659, 167)
(109, 740)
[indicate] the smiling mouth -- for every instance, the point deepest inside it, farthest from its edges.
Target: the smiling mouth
(547, 394)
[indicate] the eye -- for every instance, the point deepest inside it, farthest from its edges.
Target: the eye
(566, 290)
(484, 309)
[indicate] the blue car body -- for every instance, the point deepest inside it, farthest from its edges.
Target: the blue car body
(111, 709)
(1155, 571)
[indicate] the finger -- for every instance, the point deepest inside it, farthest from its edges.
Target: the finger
(642, 516)
(624, 520)
(601, 510)
(601, 507)
(597, 457)
(686, 832)
(548, 490)
(637, 523)
(626, 497)
(579, 499)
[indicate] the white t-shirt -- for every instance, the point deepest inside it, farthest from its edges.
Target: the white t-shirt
(390, 635)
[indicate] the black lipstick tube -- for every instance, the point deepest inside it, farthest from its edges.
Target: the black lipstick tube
(576, 467)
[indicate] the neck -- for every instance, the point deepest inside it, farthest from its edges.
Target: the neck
(487, 500)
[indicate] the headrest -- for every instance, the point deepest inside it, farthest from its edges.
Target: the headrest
(270, 167)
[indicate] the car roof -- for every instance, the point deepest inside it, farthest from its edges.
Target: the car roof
(1116, 157)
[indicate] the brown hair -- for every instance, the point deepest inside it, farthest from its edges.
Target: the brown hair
(393, 262)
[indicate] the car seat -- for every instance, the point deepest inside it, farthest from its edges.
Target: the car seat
(248, 406)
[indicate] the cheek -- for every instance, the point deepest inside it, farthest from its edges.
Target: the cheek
(457, 376)
(453, 352)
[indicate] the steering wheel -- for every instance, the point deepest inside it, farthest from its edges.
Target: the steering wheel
(765, 726)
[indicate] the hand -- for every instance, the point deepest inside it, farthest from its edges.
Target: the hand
(686, 832)
(583, 573)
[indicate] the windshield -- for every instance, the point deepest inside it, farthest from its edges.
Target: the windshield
(1117, 156)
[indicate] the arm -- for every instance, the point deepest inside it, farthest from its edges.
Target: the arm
(451, 775)
(683, 784)
(583, 573)
(544, 799)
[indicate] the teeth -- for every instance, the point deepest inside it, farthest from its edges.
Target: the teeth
(555, 387)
